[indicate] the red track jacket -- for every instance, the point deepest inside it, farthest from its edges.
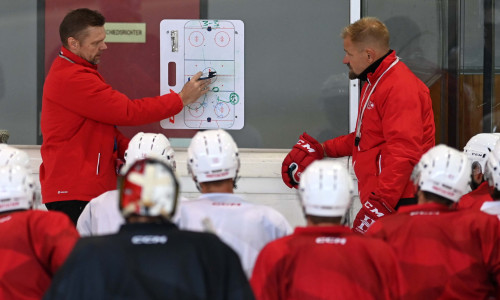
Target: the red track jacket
(444, 253)
(326, 263)
(33, 246)
(397, 128)
(80, 140)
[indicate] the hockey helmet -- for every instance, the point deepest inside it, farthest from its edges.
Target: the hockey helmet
(326, 189)
(213, 155)
(443, 171)
(149, 188)
(17, 188)
(479, 146)
(144, 145)
(12, 156)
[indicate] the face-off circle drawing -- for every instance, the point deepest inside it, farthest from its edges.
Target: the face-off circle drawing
(196, 38)
(222, 39)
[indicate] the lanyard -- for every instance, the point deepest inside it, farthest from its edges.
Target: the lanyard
(360, 117)
(62, 56)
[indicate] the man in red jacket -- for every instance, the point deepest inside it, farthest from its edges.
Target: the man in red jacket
(326, 260)
(444, 253)
(80, 112)
(395, 126)
(34, 243)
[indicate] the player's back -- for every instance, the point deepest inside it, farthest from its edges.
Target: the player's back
(244, 226)
(444, 252)
(326, 263)
(33, 246)
(151, 261)
(101, 215)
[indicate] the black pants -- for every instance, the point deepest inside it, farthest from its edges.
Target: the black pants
(72, 208)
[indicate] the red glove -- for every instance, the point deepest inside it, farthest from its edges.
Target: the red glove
(302, 154)
(373, 209)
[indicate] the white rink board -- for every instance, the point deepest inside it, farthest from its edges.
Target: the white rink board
(190, 46)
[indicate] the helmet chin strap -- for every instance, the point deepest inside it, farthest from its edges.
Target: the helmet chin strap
(198, 186)
(236, 177)
(345, 218)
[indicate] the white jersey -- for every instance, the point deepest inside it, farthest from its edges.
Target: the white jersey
(102, 215)
(491, 207)
(244, 226)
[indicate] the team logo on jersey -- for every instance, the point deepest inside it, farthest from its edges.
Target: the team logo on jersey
(370, 105)
(149, 239)
(330, 240)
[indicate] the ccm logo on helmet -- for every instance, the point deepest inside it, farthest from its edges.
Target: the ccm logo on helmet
(149, 239)
(306, 146)
(477, 154)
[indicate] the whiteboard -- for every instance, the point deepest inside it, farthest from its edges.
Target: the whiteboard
(190, 46)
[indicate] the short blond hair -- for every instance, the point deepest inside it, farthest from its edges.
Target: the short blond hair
(368, 31)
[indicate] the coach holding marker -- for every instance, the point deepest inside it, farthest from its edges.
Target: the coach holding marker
(80, 112)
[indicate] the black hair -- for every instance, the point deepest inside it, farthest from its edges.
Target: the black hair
(438, 199)
(77, 21)
(319, 219)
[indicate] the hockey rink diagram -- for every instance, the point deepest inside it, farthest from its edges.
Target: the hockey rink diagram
(190, 46)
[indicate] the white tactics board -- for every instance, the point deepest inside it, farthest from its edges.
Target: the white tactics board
(190, 46)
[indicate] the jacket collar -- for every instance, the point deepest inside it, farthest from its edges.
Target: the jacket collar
(374, 69)
(66, 54)
(147, 227)
(331, 230)
(426, 208)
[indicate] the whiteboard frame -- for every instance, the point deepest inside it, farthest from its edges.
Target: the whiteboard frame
(219, 108)
(354, 15)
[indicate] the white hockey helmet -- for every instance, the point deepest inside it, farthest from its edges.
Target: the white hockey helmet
(443, 171)
(17, 188)
(492, 168)
(144, 145)
(326, 189)
(213, 155)
(13, 156)
(149, 188)
(479, 146)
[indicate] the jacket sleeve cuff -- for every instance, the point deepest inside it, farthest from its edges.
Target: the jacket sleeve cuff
(179, 105)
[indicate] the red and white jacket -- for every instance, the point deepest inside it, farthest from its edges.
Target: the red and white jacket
(33, 247)
(396, 129)
(80, 140)
(444, 253)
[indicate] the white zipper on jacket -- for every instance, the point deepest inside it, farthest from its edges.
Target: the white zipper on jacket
(360, 117)
(380, 164)
(62, 56)
(98, 161)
